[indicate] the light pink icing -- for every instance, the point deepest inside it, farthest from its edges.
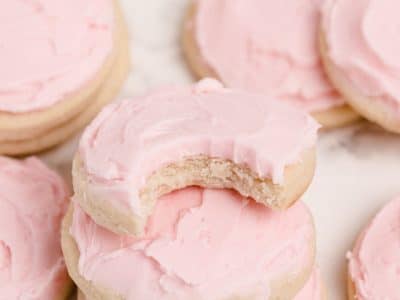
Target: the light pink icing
(50, 49)
(362, 41)
(313, 289)
(374, 264)
(199, 244)
(266, 46)
(131, 139)
(32, 203)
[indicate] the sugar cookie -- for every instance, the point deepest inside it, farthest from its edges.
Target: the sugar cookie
(199, 244)
(264, 46)
(140, 149)
(33, 200)
(76, 62)
(374, 263)
(359, 45)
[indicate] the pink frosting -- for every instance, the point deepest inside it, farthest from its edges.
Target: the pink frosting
(50, 48)
(199, 244)
(266, 46)
(32, 203)
(362, 40)
(374, 264)
(313, 289)
(131, 139)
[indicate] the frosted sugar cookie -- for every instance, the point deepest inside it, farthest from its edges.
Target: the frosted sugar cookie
(265, 46)
(374, 263)
(359, 44)
(205, 135)
(61, 62)
(199, 244)
(33, 201)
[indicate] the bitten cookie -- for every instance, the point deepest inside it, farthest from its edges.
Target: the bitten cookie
(199, 244)
(360, 49)
(61, 62)
(205, 135)
(374, 263)
(33, 200)
(264, 46)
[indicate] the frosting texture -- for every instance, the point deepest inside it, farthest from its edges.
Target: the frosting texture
(199, 244)
(50, 48)
(266, 46)
(374, 263)
(362, 41)
(33, 200)
(129, 140)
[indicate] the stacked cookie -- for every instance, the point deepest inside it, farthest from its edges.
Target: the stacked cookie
(191, 193)
(61, 62)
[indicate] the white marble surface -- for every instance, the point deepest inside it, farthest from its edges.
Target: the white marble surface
(358, 167)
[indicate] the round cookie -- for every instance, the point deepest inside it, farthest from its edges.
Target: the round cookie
(79, 73)
(199, 244)
(139, 149)
(57, 135)
(33, 200)
(374, 263)
(228, 40)
(359, 43)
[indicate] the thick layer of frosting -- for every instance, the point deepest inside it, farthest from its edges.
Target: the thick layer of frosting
(313, 289)
(33, 200)
(362, 41)
(130, 140)
(50, 49)
(199, 244)
(266, 46)
(374, 264)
